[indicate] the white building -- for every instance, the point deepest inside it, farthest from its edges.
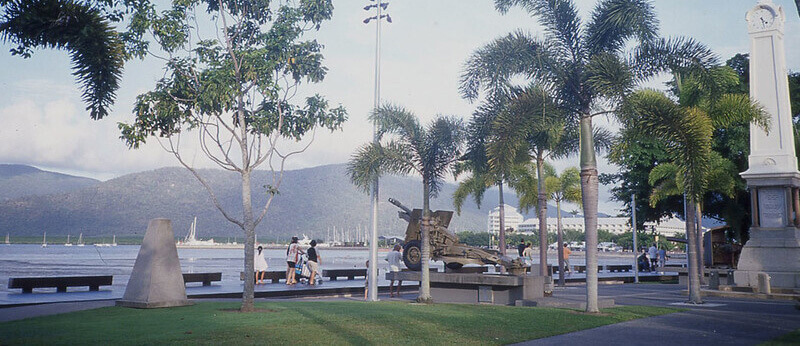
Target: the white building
(512, 219)
(668, 226)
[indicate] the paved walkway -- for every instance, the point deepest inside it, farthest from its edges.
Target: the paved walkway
(719, 321)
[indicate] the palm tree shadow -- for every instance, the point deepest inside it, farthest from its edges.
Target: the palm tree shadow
(333, 328)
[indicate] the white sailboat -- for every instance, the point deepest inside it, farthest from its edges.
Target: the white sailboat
(67, 243)
(44, 240)
(80, 239)
(191, 239)
(8, 240)
(114, 240)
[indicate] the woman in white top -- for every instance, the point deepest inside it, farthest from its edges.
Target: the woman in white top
(260, 265)
(292, 257)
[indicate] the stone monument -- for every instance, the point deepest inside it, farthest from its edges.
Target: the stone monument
(156, 280)
(772, 176)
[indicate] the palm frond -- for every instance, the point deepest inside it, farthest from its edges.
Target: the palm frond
(558, 17)
(491, 67)
(737, 108)
(95, 48)
(680, 54)
(442, 143)
(475, 185)
(365, 165)
(615, 21)
(609, 76)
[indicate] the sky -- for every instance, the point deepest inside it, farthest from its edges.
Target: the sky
(423, 52)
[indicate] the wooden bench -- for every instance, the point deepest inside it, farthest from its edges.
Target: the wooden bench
(60, 282)
(581, 269)
(274, 275)
(619, 268)
(350, 274)
(205, 278)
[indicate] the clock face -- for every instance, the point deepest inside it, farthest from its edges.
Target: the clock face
(763, 18)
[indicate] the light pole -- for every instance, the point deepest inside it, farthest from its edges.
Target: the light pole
(373, 243)
(635, 246)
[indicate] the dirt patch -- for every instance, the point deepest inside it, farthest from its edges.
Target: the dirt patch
(590, 313)
(248, 312)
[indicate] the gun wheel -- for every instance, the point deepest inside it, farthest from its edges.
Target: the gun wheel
(412, 255)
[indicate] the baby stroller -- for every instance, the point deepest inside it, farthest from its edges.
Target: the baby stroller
(303, 272)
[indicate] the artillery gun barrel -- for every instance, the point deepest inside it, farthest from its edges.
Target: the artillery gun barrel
(399, 205)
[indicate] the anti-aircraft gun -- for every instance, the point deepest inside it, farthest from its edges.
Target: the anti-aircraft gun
(445, 245)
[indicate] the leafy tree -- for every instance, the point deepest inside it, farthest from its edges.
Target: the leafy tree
(235, 91)
(585, 68)
(84, 29)
(429, 151)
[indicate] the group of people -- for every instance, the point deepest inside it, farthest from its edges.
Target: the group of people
(652, 258)
(526, 254)
(293, 262)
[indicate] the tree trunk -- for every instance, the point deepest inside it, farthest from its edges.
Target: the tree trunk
(691, 235)
(560, 241)
(700, 253)
(425, 284)
(542, 213)
(249, 245)
(502, 233)
(589, 186)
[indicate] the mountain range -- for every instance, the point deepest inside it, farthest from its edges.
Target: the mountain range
(311, 201)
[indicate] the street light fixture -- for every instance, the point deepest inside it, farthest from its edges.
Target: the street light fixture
(373, 243)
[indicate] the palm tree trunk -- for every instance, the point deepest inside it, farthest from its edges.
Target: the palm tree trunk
(502, 233)
(542, 211)
(691, 235)
(589, 190)
(700, 252)
(425, 284)
(560, 240)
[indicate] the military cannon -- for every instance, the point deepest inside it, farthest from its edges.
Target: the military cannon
(444, 244)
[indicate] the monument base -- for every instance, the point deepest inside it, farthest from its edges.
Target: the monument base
(479, 288)
(775, 251)
(153, 305)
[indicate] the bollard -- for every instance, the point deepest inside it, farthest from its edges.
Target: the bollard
(713, 280)
(763, 283)
(731, 282)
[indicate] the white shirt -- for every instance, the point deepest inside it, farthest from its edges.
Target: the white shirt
(394, 258)
(653, 252)
(293, 252)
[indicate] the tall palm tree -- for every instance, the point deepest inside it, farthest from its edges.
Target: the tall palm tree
(563, 188)
(585, 68)
(96, 50)
(429, 151)
(686, 128)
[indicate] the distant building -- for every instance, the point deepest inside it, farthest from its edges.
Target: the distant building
(512, 219)
(667, 226)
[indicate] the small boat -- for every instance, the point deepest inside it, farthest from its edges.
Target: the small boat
(8, 240)
(114, 240)
(44, 240)
(80, 239)
(67, 243)
(191, 239)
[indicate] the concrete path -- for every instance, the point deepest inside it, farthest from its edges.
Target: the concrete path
(719, 321)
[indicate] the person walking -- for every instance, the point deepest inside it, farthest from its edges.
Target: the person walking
(527, 255)
(394, 257)
(261, 265)
(662, 257)
(566, 253)
(292, 257)
(652, 252)
(521, 248)
(314, 260)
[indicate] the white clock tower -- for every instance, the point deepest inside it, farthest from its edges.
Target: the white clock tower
(772, 175)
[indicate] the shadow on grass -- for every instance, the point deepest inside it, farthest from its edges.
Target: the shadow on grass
(333, 328)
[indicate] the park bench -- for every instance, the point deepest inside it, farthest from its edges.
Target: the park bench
(350, 274)
(60, 282)
(581, 269)
(205, 278)
(274, 275)
(619, 268)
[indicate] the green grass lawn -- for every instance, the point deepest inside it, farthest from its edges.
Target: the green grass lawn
(339, 322)
(792, 338)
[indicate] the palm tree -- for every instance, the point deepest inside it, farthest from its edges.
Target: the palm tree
(96, 50)
(686, 128)
(429, 151)
(585, 68)
(563, 188)
(476, 162)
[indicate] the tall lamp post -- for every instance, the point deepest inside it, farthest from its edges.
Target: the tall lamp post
(373, 243)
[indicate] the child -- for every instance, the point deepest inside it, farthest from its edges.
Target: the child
(366, 282)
